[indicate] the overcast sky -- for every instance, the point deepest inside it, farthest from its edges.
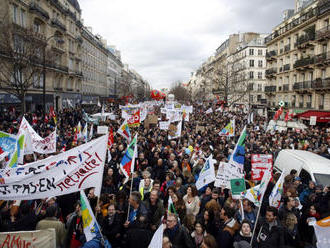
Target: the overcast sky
(166, 40)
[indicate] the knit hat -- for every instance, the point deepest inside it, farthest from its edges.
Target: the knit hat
(242, 244)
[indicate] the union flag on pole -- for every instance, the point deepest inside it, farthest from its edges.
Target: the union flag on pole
(229, 130)
(52, 114)
(134, 120)
(110, 138)
(127, 163)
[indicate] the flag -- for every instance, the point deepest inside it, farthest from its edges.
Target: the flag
(220, 109)
(79, 134)
(91, 228)
(127, 163)
(322, 230)
(288, 116)
(84, 133)
(98, 103)
(209, 111)
(275, 196)
(46, 119)
(75, 136)
(110, 139)
(102, 112)
(52, 114)
(255, 194)
(91, 132)
(157, 239)
(207, 174)
(229, 130)
(134, 120)
(170, 207)
(63, 148)
(124, 131)
(238, 154)
(3, 155)
(250, 118)
(278, 114)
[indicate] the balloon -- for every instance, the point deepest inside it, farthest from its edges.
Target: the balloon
(190, 148)
(187, 151)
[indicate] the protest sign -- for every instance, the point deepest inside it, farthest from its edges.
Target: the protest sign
(312, 120)
(163, 125)
(226, 172)
(40, 238)
(68, 172)
(200, 128)
(174, 115)
(260, 163)
(134, 119)
(102, 129)
(237, 186)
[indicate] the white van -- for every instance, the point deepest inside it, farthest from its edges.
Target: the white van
(310, 166)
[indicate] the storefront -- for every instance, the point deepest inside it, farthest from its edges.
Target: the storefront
(68, 100)
(321, 116)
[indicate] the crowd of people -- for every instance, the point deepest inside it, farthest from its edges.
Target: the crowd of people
(168, 169)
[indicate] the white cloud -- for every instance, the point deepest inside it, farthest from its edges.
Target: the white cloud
(165, 41)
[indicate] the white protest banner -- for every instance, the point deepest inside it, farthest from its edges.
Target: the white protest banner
(65, 173)
(35, 143)
(169, 106)
(174, 115)
(175, 131)
(312, 120)
(188, 109)
(163, 110)
(226, 172)
(207, 174)
(102, 129)
(163, 125)
(29, 239)
(260, 163)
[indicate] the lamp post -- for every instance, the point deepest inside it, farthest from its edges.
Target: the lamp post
(44, 71)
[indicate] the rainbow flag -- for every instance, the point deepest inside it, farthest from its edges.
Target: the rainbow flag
(127, 163)
(229, 130)
(124, 131)
(14, 146)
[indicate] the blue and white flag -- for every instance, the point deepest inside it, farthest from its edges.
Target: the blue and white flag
(207, 174)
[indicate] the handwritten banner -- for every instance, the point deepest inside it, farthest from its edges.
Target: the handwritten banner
(39, 238)
(68, 172)
(260, 163)
(226, 172)
(163, 125)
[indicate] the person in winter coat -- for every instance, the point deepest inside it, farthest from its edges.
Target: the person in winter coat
(309, 190)
(75, 234)
(112, 226)
(178, 235)
(288, 207)
(230, 226)
(249, 213)
(292, 238)
(269, 234)
(137, 211)
(155, 208)
(245, 234)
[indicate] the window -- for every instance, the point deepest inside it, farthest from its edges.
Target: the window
(251, 63)
(36, 26)
(323, 74)
(260, 63)
(38, 80)
(251, 98)
(309, 98)
(295, 78)
(18, 44)
(15, 14)
(324, 48)
(17, 77)
(22, 18)
(251, 75)
(260, 52)
(251, 52)
(260, 75)
(321, 100)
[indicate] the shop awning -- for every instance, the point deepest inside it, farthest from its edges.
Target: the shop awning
(321, 116)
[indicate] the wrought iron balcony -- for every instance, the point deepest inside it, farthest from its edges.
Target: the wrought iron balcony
(271, 71)
(321, 84)
(270, 89)
(271, 54)
(36, 8)
(323, 58)
(305, 39)
(304, 62)
(302, 85)
(308, 105)
(56, 23)
(323, 33)
(287, 48)
(324, 7)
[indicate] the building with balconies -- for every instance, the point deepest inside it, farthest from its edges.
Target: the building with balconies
(58, 24)
(94, 66)
(298, 58)
(114, 70)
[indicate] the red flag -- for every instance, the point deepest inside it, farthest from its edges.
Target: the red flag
(134, 120)
(278, 114)
(52, 114)
(75, 137)
(110, 139)
(46, 118)
(34, 119)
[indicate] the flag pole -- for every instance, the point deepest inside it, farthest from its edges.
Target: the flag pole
(129, 205)
(255, 225)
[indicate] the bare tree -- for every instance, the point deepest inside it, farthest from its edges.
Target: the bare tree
(21, 53)
(231, 80)
(180, 92)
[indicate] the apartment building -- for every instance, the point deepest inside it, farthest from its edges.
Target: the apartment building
(58, 24)
(114, 72)
(94, 66)
(298, 58)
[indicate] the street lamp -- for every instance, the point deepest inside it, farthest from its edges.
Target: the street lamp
(44, 70)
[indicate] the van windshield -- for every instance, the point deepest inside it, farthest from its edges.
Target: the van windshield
(323, 179)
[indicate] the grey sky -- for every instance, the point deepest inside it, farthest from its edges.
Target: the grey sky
(165, 41)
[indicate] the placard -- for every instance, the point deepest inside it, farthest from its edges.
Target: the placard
(312, 120)
(102, 129)
(226, 172)
(260, 163)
